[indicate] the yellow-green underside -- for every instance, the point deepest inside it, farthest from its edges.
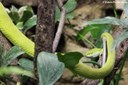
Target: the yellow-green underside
(17, 38)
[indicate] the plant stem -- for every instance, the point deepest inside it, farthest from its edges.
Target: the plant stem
(121, 68)
(93, 62)
(86, 40)
(114, 9)
(60, 27)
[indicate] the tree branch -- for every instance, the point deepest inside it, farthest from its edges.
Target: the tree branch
(60, 27)
(45, 29)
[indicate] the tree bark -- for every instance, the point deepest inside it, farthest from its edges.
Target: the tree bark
(22, 2)
(45, 28)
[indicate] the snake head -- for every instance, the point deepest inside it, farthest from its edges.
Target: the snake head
(94, 52)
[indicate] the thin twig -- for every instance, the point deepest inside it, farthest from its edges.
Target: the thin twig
(61, 25)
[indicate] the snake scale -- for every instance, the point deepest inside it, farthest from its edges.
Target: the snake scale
(17, 38)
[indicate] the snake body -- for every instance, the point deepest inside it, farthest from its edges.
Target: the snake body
(97, 73)
(17, 38)
(8, 28)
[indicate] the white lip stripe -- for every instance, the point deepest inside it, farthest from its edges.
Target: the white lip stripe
(104, 51)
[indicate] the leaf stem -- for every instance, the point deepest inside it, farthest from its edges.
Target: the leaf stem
(86, 40)
(114, 10)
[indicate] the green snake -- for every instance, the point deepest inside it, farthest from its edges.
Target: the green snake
(17, 38)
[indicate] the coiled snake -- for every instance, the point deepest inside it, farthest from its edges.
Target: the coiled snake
(17, 38)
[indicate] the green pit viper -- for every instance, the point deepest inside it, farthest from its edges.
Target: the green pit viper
(17, 38)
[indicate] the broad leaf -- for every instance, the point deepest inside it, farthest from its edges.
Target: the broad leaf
(108, 20)
(13, 53)
(96, 33)
(30, 23)
(70, 5)
(126, 8)
(14, 9)
(19, 25)
(24, 8)
(26, 64)
(57, 14)
(26, 16)
(14, 14)
(25, 13)
(119, 39)
(70, 15)
(70, 59)
(49, 68)
(95, 29)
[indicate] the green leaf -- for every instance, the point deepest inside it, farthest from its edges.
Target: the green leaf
(13, 53)
(126, 7)
(49, 68)
(70, 5)
(14, 9)
(70, 15)
(95, 29)
(99, 29)
(101, 82)
(108, 20)
(99, 43)
(26, 16)
(26, 64)
(30, 23)
(25, 13)
(14, 14)
(14, 70)
(24, 8)
(57, 14)
(119, 39)
(70, 59)
(19, 25)
(84, 31)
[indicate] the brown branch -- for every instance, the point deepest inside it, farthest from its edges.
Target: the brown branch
(45, 26)
(61, 25)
